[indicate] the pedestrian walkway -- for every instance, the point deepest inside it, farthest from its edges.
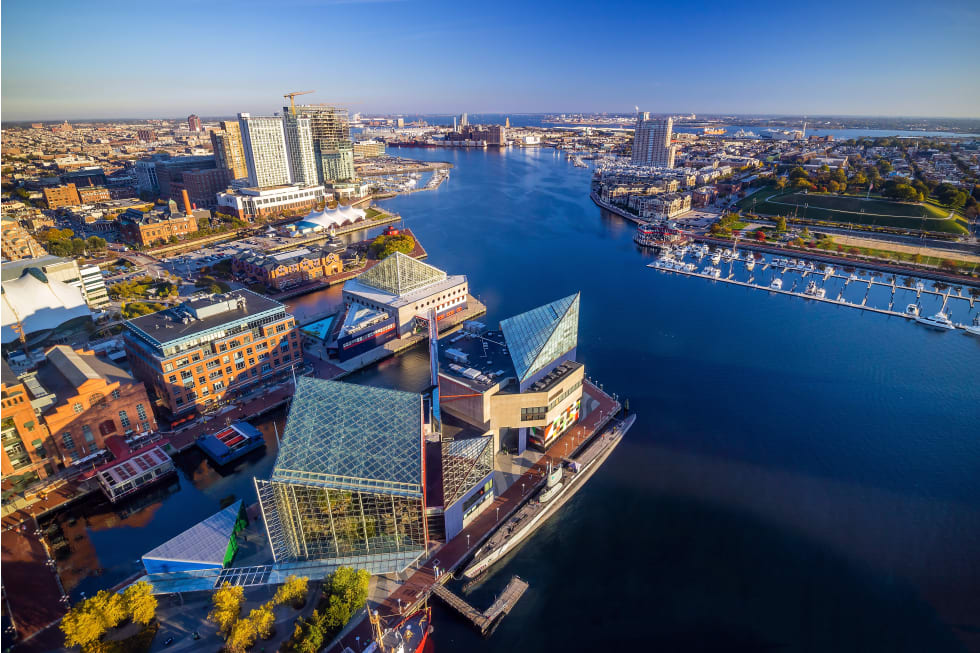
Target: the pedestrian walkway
(452, 554)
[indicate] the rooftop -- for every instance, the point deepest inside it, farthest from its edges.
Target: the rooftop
(201, 315)
(542, 334)
(350, 437)
(478, 360)
(205, 542)
(399, 274)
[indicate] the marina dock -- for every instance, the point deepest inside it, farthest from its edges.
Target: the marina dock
(486, 620)
(725, 273)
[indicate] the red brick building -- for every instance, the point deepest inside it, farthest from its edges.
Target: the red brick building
(88, 399)
(287, 269)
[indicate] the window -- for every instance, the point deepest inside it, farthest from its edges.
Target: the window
(199, 369)
(77, 407)
(115, 393)
(201, 379)
(240, 366)
(67, 439)
(87, 434)
(172, 378)
(108, 427)
(124, 419)
(534, 413)
(141, 411)
(96, 399)
(179, 401)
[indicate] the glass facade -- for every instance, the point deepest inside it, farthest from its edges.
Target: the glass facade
(464, 464)
(348, 482)
(541, 335)
(400, 274)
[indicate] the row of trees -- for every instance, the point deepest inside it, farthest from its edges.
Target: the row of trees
(61, 242)
(241, 633)
(89, 620)
(345, 592)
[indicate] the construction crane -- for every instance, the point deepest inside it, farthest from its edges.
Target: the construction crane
(292, 103)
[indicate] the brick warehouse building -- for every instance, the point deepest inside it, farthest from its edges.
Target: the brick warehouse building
(287, 269)
(85, 399)
(200, 352)
(159, 225)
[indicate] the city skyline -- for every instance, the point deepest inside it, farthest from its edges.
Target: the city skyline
(859, 63)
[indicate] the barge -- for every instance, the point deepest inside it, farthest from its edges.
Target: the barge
(230, 443)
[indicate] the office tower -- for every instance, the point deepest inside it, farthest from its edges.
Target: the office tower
(463, 121)
(299, 146)
(332, 147)
(193, 123)
(228, 152)
(651, 142)
(455, 126)
(264, 142)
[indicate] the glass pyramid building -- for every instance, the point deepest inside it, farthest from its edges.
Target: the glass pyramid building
(541, 336)
(347, 485)
(399, 274)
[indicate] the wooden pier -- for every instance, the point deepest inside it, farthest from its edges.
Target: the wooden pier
(486, 620)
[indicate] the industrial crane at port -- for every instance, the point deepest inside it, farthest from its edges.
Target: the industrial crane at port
(292, 103)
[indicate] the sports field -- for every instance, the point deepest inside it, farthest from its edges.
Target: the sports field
(854, 209)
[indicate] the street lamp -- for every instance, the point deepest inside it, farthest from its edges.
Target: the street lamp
(467, 540)
(498, 513)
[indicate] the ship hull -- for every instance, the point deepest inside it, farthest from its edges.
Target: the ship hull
(578, 480)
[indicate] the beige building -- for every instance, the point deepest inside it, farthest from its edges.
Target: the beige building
(17, 243)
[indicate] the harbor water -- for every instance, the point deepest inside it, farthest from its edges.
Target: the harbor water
(800, 477)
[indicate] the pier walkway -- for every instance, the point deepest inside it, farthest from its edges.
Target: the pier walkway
(450, 556)
(485, 620)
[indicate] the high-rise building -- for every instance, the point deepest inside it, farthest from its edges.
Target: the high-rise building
(299, 146)
(264, 142)
(332, 146)
(193, 123)
(228, 152)
(651, 141)
(463, 121)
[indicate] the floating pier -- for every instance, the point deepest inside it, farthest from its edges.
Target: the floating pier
(838, 301)
(486, 620)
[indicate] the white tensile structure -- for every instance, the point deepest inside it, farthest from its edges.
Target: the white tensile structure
(327, 219)
(38, 304)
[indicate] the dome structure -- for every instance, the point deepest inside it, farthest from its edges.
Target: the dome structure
(39, 304)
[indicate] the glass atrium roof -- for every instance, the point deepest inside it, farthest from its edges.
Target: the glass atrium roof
(352, 437)
(541, 335)
(400, 274)
(205, 542)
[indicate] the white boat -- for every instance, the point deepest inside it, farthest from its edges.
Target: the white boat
(749, 263)
(711, 271)
(912, 310)
(973, 329)
(716, 258)
(777, 284)
(813, 291)
(938, 321)
(690, 267)
(828, 272)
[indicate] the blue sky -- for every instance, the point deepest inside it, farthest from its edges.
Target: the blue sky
(161, 59)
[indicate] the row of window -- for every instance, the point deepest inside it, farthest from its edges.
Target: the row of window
(95, 399)
(107, 427)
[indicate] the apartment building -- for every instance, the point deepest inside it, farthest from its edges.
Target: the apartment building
(205, 351)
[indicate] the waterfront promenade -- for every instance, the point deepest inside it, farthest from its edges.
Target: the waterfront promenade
(451, 555)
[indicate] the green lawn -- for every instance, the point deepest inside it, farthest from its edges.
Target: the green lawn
(855, 209)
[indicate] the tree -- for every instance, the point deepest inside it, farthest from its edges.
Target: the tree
(780, 224)
(226, 605)
(308, 635)
(141, 605)
(351, 585)
(293, 590)
(241, 636)
(781, 183)
(81, 626)
(263, 620)
(338, 613)
(110, 607)
(798, 173)
(760, 235)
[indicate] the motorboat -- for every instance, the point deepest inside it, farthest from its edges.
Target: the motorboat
(777, 284)
(749, 263)
(710, 271)
(973, 329)
(912, 310)
(938, 321)
(813, 291)
(716, 257)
